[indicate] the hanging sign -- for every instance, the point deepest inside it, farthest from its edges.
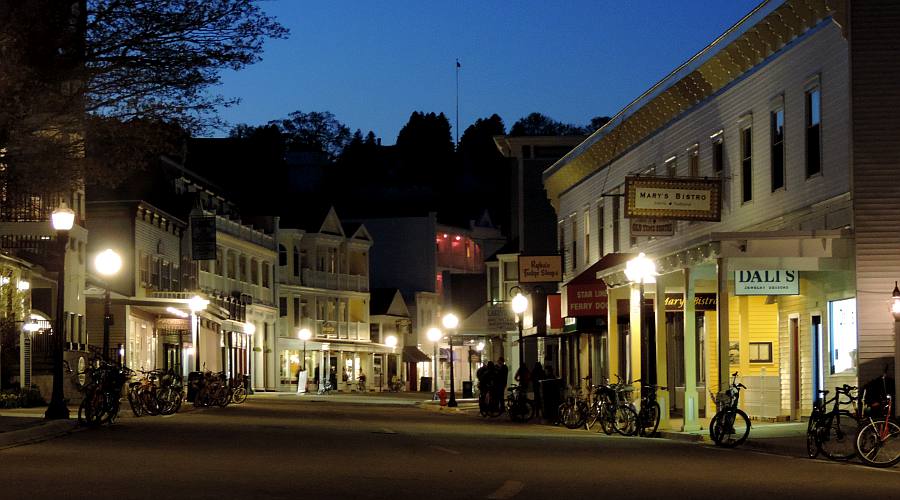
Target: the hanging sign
(540, 268)
(652, 227)
(767, 282)
(501, 318)
(673, 198)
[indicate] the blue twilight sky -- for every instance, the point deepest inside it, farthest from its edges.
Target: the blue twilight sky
(373, 63)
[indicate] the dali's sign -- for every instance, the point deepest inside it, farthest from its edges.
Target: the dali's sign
(673, 198)
(766, 282)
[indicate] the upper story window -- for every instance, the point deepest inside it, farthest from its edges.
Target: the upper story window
(573, 222)
(282, 255)
(254, 271)
(220, 262)
(266, 271)
(616, 223)
(561, 233)
(694, 161)
(601, 243)
(231, 263)
(777, 133)
(296, 261)
(282, 307)
(242, 263)
(813, 132)
(718, 153)
(587, 235)
(747, 164)
(672, 166)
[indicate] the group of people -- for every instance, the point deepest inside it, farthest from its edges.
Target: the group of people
(492, 379)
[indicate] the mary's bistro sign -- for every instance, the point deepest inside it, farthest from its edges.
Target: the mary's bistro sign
(766, 282)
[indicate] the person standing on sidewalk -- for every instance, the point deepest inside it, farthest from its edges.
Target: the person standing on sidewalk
(537, 375)
(499, 382)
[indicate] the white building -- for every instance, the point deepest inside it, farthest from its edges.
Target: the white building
(778, 111)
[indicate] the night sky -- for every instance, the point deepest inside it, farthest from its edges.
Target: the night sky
(373, 63)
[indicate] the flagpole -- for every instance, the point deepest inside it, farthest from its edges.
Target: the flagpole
(457, 103)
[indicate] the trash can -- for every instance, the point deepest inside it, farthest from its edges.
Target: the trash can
(425, 384)
(550, 395)
(195, 379)
(467, 390)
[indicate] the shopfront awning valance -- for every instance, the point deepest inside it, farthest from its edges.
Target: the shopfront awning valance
(412, 354)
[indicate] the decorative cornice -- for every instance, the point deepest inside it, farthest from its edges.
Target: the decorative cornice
(748, 43)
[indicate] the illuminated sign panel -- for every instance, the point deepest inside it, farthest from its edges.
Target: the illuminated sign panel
(767, 282)
(540, 269)
(673, 198)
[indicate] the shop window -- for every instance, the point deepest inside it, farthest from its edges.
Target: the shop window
(842, 336)
(760, 352)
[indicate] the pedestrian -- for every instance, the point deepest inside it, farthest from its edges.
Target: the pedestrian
(548, 372)
(362, 380)
(537, 375)
(523, 377)
(499, 381)
(332, 378)
(485, 376)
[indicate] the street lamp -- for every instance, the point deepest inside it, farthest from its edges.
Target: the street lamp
(519, 306)
(434, 336)
(196, 304)
(451, 322)
(108, 264)
(390, 341)
(642, 269)
(62, 219)
(895, 302)
(304, 334)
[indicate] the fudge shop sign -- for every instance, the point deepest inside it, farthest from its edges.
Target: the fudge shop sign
(540, 269)
(766, 282)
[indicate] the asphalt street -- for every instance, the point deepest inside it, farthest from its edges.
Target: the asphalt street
(288, 447)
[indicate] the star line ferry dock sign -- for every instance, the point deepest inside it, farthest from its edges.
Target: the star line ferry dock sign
(686, 198)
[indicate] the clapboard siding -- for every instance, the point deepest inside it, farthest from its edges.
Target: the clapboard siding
(821, 53)
(875, 69)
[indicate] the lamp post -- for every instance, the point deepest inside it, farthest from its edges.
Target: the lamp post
(63, 219)
(642, 269)
(519, 306)
(450, 322)
(390, 341)
(303, 334)
(196, 304)
(434, 335)
(108, 264)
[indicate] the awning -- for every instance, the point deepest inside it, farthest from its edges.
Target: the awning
(412, 354)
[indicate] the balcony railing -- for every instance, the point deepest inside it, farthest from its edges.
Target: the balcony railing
(341, 330)
(335, 281)
(245, 233)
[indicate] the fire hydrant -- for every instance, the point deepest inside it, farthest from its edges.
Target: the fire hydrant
(442, 394)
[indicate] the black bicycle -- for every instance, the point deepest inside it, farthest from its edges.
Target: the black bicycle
(649, 414)
(518, 406)
(833, 433)
(730, 426)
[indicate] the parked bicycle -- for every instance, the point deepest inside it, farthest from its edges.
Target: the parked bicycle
(730, 426)
(518, 406)
(488, 405)
(833, 433)
(213, 390)
(573, 412)
(649, 413)
(102, 391)
(238, 390)
(878, 440)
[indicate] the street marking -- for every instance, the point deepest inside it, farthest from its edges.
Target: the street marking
(508, 490)
(446, 450)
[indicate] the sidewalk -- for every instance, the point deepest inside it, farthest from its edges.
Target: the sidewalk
(781, 438)
(20, 426)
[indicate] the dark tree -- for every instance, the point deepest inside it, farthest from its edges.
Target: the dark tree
(484, 179)
(425, 148)
(316, 131)
(538, 124)
(596, 123)
(77, 74)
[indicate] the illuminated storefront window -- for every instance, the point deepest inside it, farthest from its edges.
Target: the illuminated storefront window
(842, 315)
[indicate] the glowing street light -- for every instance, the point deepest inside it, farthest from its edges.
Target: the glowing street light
(451, 322)
(390, 341)
(642, 269)
(196, 304)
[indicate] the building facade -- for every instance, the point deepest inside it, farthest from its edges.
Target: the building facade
(771, 286)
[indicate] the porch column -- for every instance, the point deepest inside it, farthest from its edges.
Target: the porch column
(659, 309)
(691, 406)
(722, 310)
(612, 333)
(636, 333)
(324, 369)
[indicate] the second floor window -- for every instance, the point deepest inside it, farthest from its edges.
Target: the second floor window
(282, 306)
(615, 221)
(777, 119)
(254, 271)
(266, 270)
(296, 312)
(813, 132)
(232, 265)
(296, 261)
(694, 161)
(718, 155)
(746, 164)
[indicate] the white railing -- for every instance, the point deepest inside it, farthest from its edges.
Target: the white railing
(335, 281)
(341, 330)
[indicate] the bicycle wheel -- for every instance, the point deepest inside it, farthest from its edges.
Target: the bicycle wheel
(714, 427)
(731, 428)
(878, 443)
(239, 395)
(569, 416)
(608, 419)
(837, 438)
(625, 421)
(593, 415)
(812, 432)
(649, 421)
(135, 404)
(520, 411)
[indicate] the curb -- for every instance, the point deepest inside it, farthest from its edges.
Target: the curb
(38, 433)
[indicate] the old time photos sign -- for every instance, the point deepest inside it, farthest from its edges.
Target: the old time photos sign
(673, 198)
